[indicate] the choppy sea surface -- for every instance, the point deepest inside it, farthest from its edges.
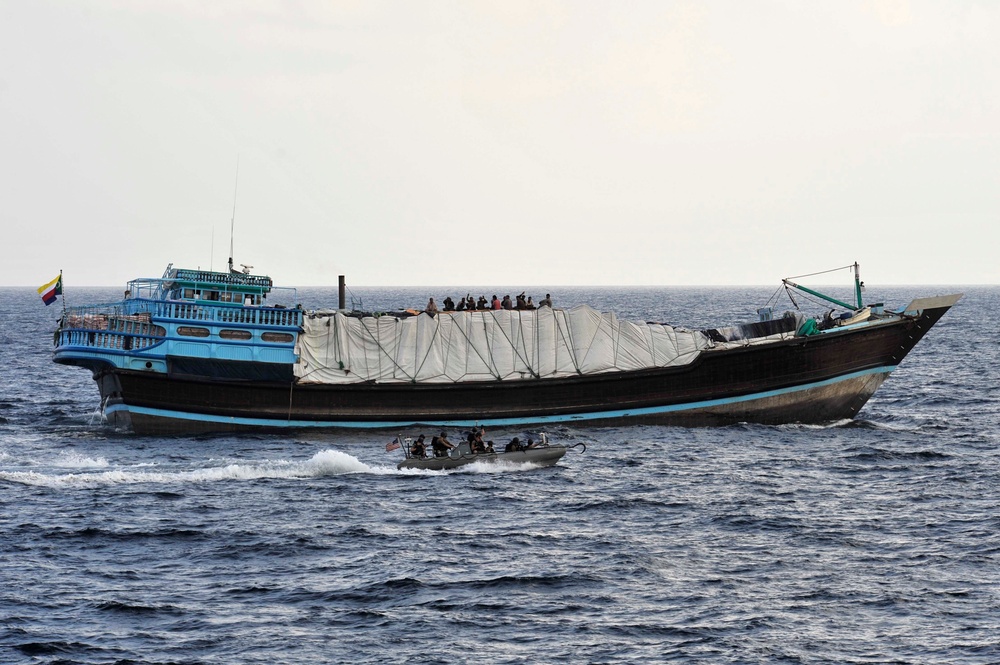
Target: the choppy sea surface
(875, 540)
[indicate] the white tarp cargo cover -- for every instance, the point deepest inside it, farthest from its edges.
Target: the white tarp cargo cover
(485, 345)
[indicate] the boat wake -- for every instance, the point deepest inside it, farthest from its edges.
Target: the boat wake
(475, 468)
(835, 424)
(84, 472)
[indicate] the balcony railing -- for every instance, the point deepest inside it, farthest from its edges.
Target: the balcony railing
(141, 310)
(129, 325)
(107, 340)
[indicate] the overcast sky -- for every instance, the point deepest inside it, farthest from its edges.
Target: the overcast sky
(535, 142)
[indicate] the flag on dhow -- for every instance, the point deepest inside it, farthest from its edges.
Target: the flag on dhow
(51, 290)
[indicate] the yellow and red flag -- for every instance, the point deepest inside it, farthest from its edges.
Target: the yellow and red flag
(51, 290)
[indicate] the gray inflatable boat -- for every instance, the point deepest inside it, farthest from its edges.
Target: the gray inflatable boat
(541, 454)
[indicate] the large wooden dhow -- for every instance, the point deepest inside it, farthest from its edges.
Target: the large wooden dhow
(208, 351)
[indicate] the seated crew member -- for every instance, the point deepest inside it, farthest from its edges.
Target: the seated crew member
(419, 449)
(513, 446)
(449, 304)
(432, 307)
(441, 445)
(477, 443)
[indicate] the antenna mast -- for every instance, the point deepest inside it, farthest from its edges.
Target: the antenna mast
(232, 224)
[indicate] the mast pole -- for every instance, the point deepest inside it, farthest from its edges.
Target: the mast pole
(857, 283)
(232, 223)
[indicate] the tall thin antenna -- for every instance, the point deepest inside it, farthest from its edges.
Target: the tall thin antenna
(232, 224)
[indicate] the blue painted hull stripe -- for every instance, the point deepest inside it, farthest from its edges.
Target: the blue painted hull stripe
(574, 417)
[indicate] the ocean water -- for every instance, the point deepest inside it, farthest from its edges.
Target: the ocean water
(865, 541)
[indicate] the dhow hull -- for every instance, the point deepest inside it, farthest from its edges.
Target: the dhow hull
(815, 379)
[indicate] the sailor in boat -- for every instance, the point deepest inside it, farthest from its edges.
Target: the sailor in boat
(441, 445)
(516, 446)
(419, 449)
(476, 442)
(538, 454)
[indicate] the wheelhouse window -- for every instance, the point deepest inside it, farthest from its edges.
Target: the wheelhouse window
(188, 331)
(235, 334)
(277, 337)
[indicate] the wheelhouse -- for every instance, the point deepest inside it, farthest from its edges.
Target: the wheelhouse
(205, 287)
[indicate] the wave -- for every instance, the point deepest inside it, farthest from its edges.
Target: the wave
(55, 648)
(868, 453)
(125, 536)
(626, 503)
(120, 607)
(391, 589)
(78, 461)
(836, 424)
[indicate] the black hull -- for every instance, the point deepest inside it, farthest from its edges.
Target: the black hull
(814, 379)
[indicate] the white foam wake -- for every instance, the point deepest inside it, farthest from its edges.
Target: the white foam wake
(323, 463)
(473, 468)
(72, 460)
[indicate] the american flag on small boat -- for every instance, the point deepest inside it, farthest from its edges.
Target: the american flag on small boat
(392, 445)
